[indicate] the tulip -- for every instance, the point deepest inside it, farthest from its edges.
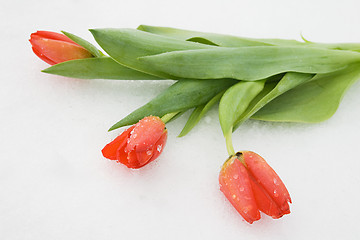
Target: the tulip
(251, 185)
(55, 48)
(138, 145)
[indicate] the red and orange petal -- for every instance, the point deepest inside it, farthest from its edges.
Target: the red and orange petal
(56, 50)
(159, 146)
(138, 159)
(236, 185)
(111, 149)
(264, 202)
(43, 57)
(52, 35)
(267, 178)
(146, 133)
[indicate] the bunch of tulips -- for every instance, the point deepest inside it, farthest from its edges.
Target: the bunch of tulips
(251, 78)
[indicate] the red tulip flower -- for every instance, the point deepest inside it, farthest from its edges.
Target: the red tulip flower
(138, 145)
(251, 185)
(55, 48)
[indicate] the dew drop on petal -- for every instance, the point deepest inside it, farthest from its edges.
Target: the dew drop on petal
(276, 182)
(241, 189)
(234, 196)
(149, 152)
(236, 176)
(275, 193)
(245, 210)
(159, 148)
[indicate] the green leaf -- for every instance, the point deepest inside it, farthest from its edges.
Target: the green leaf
(234, 41)
(248, 63)
(97, 68)
(202, 41)
(235, 101)
(87, 45)
(312, 102)
(127, 45)
(272, 91)
(198, 113)
(217, 39)
(183, 95)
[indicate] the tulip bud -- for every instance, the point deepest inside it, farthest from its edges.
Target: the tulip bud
(138, 145)
(55, 48)
(251, 185)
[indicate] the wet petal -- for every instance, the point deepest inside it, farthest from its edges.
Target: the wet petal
(268, 179)
(159, 146)
(144, 156)
(110, 150)
(235, 184)
(264, 202)
(146, 133)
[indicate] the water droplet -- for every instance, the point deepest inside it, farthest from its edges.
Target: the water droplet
(276, 181)
(275, 193)
(234, 196)
(236, 176)
(241, 189)
(149, 152)
(159, 148)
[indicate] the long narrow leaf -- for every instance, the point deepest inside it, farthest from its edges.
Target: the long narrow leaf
(198, 113)
(235, 41)
(235, 101)
(288, 82)
(249, 63)
(127, 45)
(97, 68)
(218, 39)
(312, 102)
(182, 95)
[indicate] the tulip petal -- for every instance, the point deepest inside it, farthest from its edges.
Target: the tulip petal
(264, 202)
(159, 146)
(235, 184)
(266, 177)
(146, 133)
(43, 57)
(52, 35)
(144, 156)
(132, 160)
(111, 149)
(58, 51)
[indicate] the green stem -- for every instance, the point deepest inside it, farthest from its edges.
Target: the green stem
(229, 145)
(168, 117)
